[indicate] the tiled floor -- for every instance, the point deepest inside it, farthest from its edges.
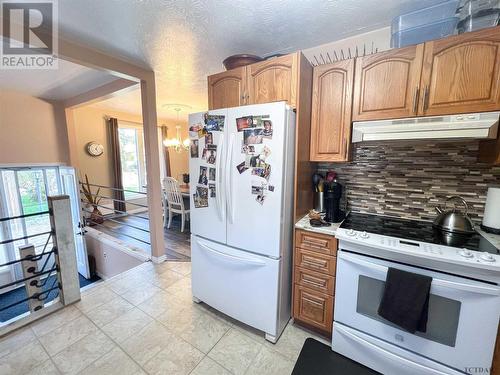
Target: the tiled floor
(145, 322)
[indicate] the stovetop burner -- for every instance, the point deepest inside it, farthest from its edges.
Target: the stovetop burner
(422, 231)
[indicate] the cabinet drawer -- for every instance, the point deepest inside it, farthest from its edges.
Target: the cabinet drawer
(313, 308)
(315, 261)
(314, 280)
(321, 243)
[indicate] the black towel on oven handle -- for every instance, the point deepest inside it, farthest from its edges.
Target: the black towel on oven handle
(405, 301)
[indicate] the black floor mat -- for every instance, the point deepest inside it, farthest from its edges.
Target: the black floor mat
(319, 359)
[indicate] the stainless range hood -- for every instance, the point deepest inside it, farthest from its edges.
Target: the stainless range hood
(467, 126)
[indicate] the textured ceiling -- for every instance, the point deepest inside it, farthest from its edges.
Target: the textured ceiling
(184, 41)
(65, 82)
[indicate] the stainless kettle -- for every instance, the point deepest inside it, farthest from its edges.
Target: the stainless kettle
(453, 220)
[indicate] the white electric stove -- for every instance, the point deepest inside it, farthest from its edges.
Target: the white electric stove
(464, 304)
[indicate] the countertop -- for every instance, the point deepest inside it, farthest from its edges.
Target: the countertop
(304, 224)
(493, 238)
(330, 230)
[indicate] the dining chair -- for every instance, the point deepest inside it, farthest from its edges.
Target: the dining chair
(174, 203)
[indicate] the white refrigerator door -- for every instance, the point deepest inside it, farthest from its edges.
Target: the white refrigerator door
(252, 225)
(208, 222)
(239, 284)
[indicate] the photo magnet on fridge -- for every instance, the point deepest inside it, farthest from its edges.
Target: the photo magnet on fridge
(257, 187)
(252, 136)
(247, 149)
(264, 154)
(268, 129)
(193, 148)
(211, 187)
(270, 188)
(211, 155)
(264, 172)
(214, 122)
(194, 131)
(209, 139)
(211, 174)
(260, 198)
(244, 123)
(241, 167)
(201, 197)
(203, 179)
(254, 161)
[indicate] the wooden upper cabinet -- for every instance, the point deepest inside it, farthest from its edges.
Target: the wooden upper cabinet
(227, 89)
(387, 84)
(331, 111)
(461, 74)
(273, 80)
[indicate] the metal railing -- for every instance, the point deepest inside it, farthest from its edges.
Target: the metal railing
(50, 276)
(118, 216)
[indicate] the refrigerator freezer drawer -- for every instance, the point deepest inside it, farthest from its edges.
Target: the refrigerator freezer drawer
(237, 283)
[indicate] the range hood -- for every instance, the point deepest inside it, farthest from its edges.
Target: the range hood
(467, 126)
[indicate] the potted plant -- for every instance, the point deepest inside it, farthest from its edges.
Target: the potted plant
(93, 200)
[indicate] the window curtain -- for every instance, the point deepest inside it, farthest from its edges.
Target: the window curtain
(119, 195)
(164, 135)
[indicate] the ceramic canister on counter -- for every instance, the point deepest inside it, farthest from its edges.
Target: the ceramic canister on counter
(491, 218)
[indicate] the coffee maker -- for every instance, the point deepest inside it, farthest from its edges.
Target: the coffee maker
(333, 194)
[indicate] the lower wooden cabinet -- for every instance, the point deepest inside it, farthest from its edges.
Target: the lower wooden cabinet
(314, 280)
(314, 308)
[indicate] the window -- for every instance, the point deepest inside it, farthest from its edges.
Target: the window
(132, 158)
(24, 191)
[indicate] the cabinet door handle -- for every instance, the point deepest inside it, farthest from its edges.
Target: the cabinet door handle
(312, 302)
(415, 100)
(425, 100)
(345, 149)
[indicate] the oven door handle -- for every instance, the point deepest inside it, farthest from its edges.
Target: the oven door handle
(387, 354)
(493, 291)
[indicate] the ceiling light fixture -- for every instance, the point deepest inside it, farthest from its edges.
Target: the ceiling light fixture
(177, 143)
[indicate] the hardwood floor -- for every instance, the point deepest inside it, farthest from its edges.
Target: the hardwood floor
(177, 244)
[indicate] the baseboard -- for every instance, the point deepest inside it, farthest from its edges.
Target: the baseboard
(159, 259)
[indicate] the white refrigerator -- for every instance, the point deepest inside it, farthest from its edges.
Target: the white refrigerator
(241, 200)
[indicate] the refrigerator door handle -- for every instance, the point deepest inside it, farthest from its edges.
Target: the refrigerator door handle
(218, 179)
(229, 180)
(232, 257)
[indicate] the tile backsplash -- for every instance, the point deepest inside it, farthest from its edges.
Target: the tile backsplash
(409, 179)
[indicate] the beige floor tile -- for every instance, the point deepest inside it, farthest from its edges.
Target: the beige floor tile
(24, 359)
(95, 298)
(46, 368)
(115, 362)
(82, 353)
(183, 268)
(178, 357)
(235, 351)
(124, 283)
(148, 342)
(127, 324)
(269, 362)
(16, 340)
(55, 320)
(204, 331)
(209, 367)
(182, 290)
(108, 312)
(167, 279)
(64, 336)
(158, 304)
(178, 316)
(291, 341)
(140, 293)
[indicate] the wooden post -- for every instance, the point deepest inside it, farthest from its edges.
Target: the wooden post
(64, 241)
(148, 95)
(30, 267)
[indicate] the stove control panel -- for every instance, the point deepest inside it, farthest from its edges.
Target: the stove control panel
(422, 249)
